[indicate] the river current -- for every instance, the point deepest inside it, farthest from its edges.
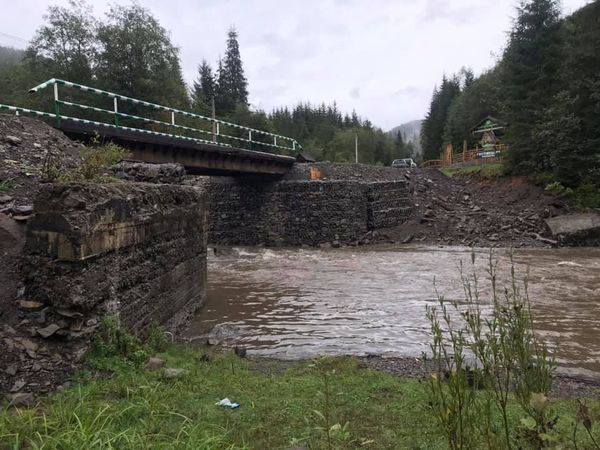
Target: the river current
(298, 303)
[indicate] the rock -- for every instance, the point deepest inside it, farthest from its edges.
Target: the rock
(36, 367)
(5, 199)
(19, 384)
(21, 218)
(154, 364)
(48, 331)
(22, 210)
(336, 244)
(11, 370)
(21, 400)
(69, 313)
(204, 358)
(31, 305)
(240, 351)
(408, 238)
(30, 345)
(12, 140)
(224, 334)
(579, 229)
(171, 374)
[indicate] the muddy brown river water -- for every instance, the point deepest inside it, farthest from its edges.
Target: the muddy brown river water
(298, 303)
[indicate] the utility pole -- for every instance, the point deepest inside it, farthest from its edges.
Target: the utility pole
(214, 124)
(356, 146)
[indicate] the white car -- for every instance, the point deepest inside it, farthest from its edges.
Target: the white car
(409, 162)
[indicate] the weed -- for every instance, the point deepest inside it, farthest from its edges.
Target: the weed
(7, 185)
(95, 160)
(512, 364)
(157, 338)
(113, 342)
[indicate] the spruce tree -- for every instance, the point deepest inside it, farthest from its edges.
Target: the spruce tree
(232, 86)
(203, 90)
(529, 80)
(432, 130)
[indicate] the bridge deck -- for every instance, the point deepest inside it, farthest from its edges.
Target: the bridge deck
(197, 158)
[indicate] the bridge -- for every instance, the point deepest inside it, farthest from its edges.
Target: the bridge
(160, 134)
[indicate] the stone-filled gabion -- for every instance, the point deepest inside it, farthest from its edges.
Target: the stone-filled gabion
(301, 212)
(167, 173)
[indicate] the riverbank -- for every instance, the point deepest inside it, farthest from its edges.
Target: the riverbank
(336, 403)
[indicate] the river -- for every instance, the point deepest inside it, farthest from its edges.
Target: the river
(298, 303)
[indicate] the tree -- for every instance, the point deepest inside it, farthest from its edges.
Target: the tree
(433, 126)
(203, 91)
(479, 98)
(529, 70)
(232, 86)
(400, 148)
(137, 58)
(65, 47)
(569, 128)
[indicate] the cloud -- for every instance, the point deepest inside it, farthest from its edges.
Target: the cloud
(380, 57)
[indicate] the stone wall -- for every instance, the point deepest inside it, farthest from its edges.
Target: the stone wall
(131, 249)
(280, 213)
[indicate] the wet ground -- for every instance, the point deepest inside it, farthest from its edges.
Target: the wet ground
(297, 303)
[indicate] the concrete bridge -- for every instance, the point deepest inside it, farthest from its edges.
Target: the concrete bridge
(160, 134)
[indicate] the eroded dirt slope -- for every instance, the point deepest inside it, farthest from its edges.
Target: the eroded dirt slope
(493, 212)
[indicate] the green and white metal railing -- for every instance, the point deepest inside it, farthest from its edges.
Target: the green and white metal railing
(274, 140)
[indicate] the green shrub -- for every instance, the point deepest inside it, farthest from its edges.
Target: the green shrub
(114, 345)
(587, 196)
(558, 189)
(157, 338)
(96, 160)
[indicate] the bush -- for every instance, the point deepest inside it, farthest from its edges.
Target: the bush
(558, 189)
(96, 160)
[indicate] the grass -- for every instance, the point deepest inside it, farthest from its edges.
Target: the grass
(329, 403)
(483, 171)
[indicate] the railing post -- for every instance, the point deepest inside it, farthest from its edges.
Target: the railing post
(275, 141)
(173, 123)
(250, 139)
(116, 112)
(218, 132)
(294, 145)
(56, 105)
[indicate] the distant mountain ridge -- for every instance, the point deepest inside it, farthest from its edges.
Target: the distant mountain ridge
(411, 131)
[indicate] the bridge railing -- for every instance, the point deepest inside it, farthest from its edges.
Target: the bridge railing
(176, 124)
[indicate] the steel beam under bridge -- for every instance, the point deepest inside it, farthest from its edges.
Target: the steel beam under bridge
(198, 158)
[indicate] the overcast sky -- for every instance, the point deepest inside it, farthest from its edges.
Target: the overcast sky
(380, 57)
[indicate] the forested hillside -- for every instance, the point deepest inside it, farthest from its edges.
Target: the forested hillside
(129, 52)
(545, 86)
(10, 56)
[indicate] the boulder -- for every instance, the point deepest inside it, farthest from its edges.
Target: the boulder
(154, 364)
(171, 374)
(576, 229)
(21, 400)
